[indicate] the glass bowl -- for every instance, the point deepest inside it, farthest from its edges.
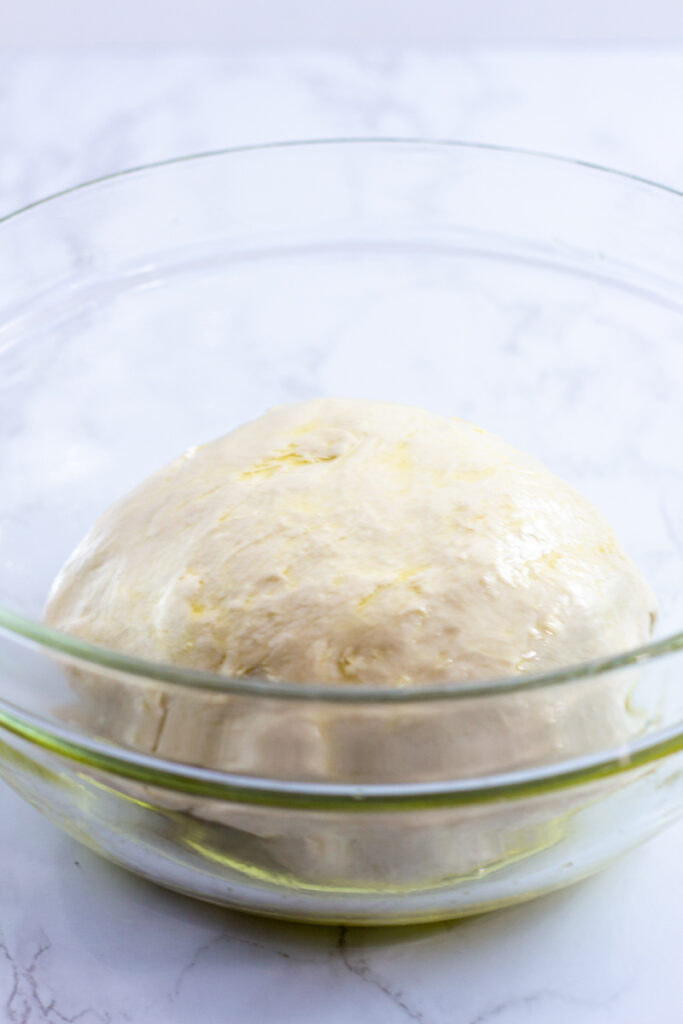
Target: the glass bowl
(156, 309)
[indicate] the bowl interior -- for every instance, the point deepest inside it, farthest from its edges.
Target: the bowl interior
(155, 311)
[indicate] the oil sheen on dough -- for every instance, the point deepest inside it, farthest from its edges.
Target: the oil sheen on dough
(350, 542)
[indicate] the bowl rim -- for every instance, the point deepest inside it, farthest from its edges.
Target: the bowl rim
(216, 784)
(80, 651)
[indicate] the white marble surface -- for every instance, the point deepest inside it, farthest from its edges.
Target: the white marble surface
(69, 117)
(81, 941)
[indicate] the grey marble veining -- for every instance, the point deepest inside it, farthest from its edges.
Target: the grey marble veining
(65, 118)
(82, 941)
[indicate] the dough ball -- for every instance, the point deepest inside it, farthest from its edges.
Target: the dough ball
(355, 542)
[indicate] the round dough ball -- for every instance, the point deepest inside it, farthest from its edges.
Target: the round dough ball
(350, 542)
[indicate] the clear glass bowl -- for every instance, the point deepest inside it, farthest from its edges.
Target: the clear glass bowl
(153, 310)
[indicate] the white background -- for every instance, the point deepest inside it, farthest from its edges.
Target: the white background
(430, 23)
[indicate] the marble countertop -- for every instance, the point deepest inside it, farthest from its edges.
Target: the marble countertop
(81, 940)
